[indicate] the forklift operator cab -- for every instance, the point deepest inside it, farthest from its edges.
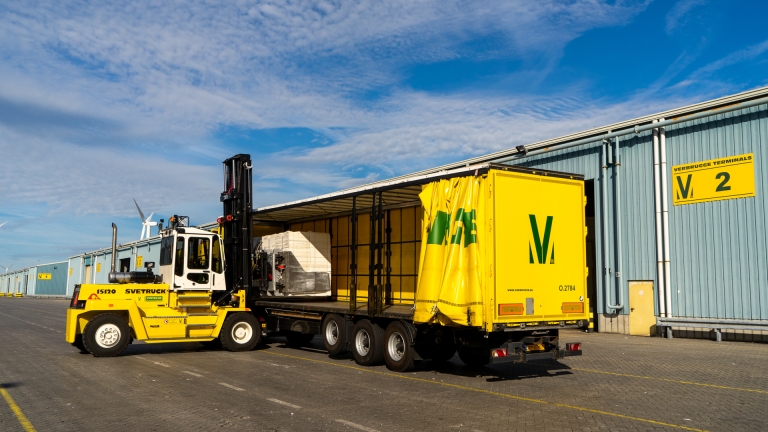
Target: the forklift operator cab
(192, 259)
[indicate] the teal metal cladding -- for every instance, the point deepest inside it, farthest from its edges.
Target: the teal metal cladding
(719, 250)
(57, 285)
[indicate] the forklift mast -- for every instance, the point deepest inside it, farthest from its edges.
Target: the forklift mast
(236, 223)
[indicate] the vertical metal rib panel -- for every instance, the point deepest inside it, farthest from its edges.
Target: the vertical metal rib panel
(719, 248)
(56, 285)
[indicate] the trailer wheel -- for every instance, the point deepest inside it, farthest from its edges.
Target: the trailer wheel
(398, 348)
(443, 347)
(106, 335)
(240, 332)
(473, 359)
(299, 339)
(368, 343)
(334, 336)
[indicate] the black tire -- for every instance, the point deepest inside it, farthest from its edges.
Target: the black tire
(368, 343)
(106, 335)
(473, 358)
(212, 344)
(443, 346)
(78, 343)
(241, 332)
(398, 348)
(334, 334)
(299, 339)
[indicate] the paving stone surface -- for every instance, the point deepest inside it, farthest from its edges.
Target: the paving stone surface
(620, 383)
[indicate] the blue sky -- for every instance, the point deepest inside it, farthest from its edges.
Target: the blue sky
(103, 102)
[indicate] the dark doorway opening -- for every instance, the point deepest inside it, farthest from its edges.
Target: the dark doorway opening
(589, 213)
(125, 264)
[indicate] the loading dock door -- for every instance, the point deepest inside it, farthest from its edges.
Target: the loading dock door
(641, 313)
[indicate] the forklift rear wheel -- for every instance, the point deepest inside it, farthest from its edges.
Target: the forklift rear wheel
(299, 339)
(334, 335)
(240, 332)
(398, 348)
(368, 343)
(106, 335)
(78, 343)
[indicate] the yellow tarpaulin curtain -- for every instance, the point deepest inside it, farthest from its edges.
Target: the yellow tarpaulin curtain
(450, 289)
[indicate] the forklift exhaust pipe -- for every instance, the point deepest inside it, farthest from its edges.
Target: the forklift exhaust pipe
(112, 278)
(126, 277)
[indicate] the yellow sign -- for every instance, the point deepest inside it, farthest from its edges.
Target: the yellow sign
(70, 271)
(44, 276)
(139, 260)
(98, 267)
(717, 179)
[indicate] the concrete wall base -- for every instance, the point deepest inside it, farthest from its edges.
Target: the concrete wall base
(726, 334)
(613, 323)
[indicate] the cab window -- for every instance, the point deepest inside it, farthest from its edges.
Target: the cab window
(166, 251)
(179, 270)
(198, 249)
(216, 261)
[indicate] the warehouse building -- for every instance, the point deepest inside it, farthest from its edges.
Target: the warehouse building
(40, 280)
(675, 206)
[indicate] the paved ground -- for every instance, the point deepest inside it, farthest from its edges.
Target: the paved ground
(621, 383)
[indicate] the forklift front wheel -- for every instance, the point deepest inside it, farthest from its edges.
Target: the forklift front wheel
(240, 332)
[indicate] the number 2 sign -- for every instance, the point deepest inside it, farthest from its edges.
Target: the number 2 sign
(717, 179)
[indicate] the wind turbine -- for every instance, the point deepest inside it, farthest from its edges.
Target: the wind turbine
(2, 225)
(9, 267)
(146, 223)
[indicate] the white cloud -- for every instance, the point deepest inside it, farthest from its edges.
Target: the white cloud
(677, 15)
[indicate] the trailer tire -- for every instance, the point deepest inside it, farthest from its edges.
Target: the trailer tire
(443, 346)
(398, 348)
(241, 332)
(368, 343)
(106, 335)
(334, 334)
(299, 339)
(472, 358)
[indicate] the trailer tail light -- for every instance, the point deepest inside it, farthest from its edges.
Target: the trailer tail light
(499, 352)
(573, 346)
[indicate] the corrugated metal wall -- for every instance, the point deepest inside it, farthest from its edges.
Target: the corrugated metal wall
(720, 249)
(56, 285)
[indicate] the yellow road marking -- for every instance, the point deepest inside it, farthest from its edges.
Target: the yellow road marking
(493, 393)
(16, 410)
(673, 381)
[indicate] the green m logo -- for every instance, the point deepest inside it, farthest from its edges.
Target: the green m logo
(541, 245)
(466, 228)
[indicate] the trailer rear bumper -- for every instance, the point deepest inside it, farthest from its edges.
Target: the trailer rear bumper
(523, 357)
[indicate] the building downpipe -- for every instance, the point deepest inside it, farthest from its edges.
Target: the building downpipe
(659, 241)
(665, 222)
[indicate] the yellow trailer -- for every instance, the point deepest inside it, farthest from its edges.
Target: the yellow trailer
(500, 267)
